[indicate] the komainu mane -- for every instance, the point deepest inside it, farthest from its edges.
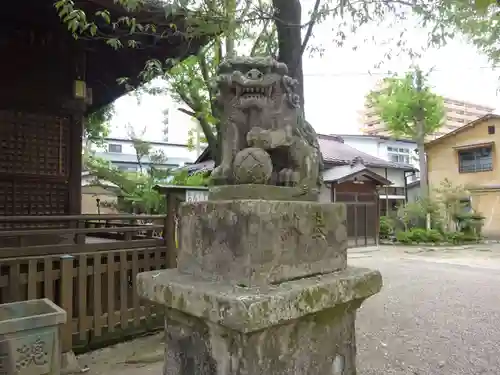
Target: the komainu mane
(260, 110)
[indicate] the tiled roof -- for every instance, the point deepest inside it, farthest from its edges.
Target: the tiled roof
(339, 173)
(334, 153)
(338, 153)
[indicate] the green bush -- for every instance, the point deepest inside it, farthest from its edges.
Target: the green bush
(471, 224)
(386, 227)
(455, 237)
(419, 235)
(403, 237)
(434, 235)
(471, 237)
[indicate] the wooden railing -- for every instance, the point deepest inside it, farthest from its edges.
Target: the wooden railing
(87, 265)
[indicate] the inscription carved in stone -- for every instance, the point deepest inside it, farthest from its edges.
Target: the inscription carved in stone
(26, 356)
(31, 354)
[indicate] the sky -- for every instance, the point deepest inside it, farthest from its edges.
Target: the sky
(337, 80)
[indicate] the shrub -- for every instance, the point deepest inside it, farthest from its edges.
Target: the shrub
(403, 237)
(471, 224)
(434, 235)
(386, 227)
(471, 237)
(455, 237)
(418, 235)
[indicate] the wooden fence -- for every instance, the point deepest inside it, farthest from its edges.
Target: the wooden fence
(91, 272)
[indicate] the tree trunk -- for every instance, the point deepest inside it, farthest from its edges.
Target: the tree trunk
(424, 185)
(288, 16)
(230, 33)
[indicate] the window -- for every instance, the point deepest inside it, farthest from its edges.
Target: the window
(491, 129)
(399, 154)
(113, 147)
(476, 160)
(391, 190)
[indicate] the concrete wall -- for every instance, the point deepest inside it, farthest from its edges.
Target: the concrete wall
(413, 193)
(369, 145)
(89, 204)
(396, 176)
(488, 204)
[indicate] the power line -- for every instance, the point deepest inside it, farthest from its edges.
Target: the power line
(387, 74)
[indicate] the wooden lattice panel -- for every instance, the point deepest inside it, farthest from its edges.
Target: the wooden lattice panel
(22, 198)
(33, 198)
(6, 198)
(33, 144)
(40, 198)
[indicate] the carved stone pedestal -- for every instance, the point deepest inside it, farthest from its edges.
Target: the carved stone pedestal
(300, 327)
(262, 287)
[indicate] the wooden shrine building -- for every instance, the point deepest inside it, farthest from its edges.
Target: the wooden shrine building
(49, 81)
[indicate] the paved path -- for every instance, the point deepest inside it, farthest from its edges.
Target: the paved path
(430, 318)
(434, 316)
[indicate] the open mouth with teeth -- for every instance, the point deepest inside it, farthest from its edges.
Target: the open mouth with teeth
(249, 92)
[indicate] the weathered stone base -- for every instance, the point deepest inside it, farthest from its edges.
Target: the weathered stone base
(257, 242)
(256, 191)
(299, 327)
(316, 344)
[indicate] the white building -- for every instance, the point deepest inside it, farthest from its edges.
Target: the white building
(380, 157)
(154, 117)
(387, 148)
(122, 154)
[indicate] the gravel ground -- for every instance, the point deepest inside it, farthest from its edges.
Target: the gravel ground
(430, 318)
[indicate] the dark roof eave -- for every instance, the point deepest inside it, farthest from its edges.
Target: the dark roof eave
(374, 165)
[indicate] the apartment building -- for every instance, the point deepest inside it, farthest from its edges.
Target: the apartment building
(458, 113)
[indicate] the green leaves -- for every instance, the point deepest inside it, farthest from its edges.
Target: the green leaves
(482, 5)
(97, 124)
(400, 105)
(114, 42)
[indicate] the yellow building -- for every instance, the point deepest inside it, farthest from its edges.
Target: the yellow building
(470, 156)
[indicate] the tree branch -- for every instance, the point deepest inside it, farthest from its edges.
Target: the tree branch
(205, 127)
(206, 75)
(259, 39)
(314, 18)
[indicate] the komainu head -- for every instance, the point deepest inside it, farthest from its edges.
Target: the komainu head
(246, 82)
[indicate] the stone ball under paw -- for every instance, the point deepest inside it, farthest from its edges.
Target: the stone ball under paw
(252, 166)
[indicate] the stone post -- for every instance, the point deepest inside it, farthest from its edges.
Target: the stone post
(262, 287)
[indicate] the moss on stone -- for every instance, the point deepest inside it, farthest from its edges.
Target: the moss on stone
(252, 309)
